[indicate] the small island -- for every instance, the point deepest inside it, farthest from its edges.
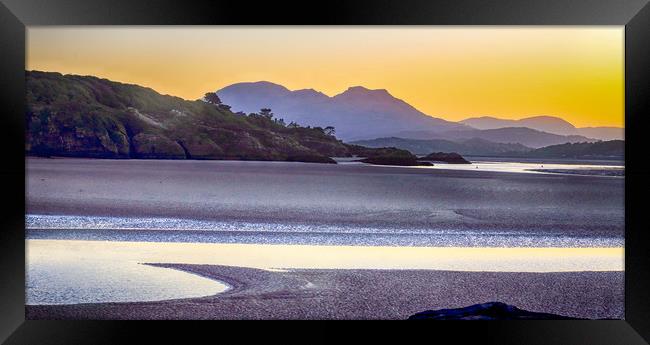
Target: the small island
(449, 158)
(395, 156)
(386, 156)
(395, 160)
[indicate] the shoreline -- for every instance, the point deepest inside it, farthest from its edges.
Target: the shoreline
(505, 159)
(363, 294)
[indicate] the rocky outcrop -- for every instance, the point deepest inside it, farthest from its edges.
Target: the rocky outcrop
(53, 137)
(153, 146)
(201, 148)
(330, 149)
(486, 311)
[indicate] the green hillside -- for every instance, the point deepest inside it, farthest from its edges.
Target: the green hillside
(84, 116)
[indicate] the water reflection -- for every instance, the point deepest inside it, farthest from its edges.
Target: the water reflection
(62, 272)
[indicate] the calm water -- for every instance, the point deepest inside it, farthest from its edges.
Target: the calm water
(568, 161)
(531, 167)
(519, 165)
(77, 275)
(612, 169)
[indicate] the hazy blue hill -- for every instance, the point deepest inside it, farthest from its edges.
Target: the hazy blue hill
(250, 97)
(522, 135)
(360, 113)
(488, 122)
(477, 147)
(85, 116)
(613, 149)
(603, 133)
(509, 135)
(356, 113)
(549, 124)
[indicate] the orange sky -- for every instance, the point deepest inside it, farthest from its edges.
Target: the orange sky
(450, 72)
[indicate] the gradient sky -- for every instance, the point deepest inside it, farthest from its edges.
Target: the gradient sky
(450, 72)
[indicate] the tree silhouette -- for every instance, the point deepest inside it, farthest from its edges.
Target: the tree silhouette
(266, 112)
(329, 130)
(212, 98)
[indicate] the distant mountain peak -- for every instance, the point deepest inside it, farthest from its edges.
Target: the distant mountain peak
(544, 117)
(357, 113)
(544, 123)
(264, 83)
(357, 88)
(486, 117)
(364, 91)
(259, 85)
(309, 92)
(549, 124)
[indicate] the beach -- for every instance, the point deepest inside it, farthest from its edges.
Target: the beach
(318, 241)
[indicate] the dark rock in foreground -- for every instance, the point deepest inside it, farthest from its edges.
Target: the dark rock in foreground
(451, 158)
(486, 311)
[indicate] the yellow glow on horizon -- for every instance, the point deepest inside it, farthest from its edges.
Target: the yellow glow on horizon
(575, 73)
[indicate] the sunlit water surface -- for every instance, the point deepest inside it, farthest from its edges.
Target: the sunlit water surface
(82, 273)
(605, 170)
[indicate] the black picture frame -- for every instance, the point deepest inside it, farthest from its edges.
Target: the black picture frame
(15, 15)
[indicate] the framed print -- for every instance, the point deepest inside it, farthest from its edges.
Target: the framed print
(481, 162)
